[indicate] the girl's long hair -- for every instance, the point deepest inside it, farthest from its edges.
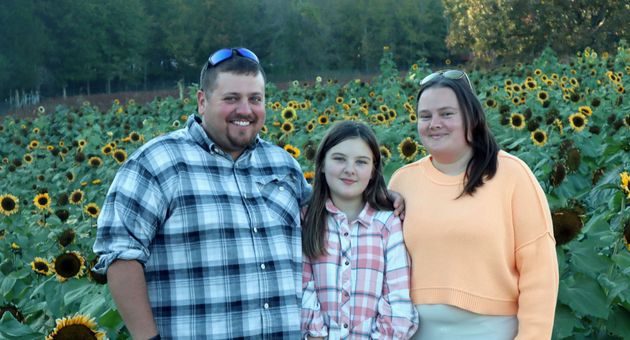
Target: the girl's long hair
(314, 226)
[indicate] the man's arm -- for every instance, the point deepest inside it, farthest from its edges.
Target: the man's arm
(129, 290)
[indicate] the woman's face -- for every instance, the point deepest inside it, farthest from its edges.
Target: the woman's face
(441, 124)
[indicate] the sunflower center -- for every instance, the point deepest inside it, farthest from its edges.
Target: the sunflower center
(93, 211)
(578, 121)
(75, 332)
(8, 204)
(539, 137)
(41, 266)
(408, 149)
(67, 265)
(42, 201)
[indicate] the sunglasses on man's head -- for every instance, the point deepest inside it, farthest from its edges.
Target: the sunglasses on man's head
(449, 74)
(227, 53)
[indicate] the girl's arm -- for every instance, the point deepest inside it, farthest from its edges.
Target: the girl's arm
(397, 318)
(312, 321)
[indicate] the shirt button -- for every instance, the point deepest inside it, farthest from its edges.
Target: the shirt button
(262, 266)
(255, 229)
(281, 188)
(345, 234)
(266, 306)
(347, 262)
(345, 325)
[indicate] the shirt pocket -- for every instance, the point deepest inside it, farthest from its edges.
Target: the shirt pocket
(280, 196)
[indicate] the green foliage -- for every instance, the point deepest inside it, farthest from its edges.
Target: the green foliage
(578, 166)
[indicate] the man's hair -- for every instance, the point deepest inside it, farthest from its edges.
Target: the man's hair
(236, 65)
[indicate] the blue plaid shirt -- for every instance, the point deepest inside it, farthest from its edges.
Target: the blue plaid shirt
(219, 239)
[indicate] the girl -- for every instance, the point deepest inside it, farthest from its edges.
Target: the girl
(356, 267)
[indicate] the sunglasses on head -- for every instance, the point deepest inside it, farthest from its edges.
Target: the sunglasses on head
(227, 53)
(449, 74)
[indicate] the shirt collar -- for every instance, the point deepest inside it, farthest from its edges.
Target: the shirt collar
(365, 216)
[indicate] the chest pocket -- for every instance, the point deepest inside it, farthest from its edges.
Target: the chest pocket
(280, 195)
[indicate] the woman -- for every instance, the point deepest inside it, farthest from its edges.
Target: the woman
(477, 225)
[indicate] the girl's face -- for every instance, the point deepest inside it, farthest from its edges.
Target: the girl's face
(348, 167)
(441, 124)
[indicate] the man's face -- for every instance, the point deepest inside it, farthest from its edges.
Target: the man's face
(234, 112)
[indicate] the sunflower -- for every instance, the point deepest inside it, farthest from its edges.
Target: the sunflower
(95, 161)
(287, 127)
(41, 266)
(323, 119)
(33, 144)
(66, 237)
(542, 96)
(539, 137)
(289, 114)
(294, 151)
(106, 150)
(620, 89)
(531, 84)
(578, 121)
(557, 175)
(69, 176)
(385, 152)
(76, 197)
(339, 100)
(309, 176)
(69, 265)
(135, 137)
(120, 156)
(625, 182)
(626, 120)
(538, 72)
(9, 204)
(380, 118)
(82, 143)
(491, 102)
(408, 149)
(413, 118)
(42, 201)
(517, 121)
(78, 326)
(567, 224)
(310, 127)
(62, 214)
(92, 210)
(586, 110)
(27, 158)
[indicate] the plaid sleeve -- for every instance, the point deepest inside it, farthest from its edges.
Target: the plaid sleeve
(132, 210)
(312, 318)
(397, 318)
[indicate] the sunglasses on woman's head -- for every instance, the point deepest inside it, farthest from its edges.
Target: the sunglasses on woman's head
(227, 53)
(449, 74)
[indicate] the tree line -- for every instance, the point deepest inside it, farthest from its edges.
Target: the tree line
(82, 47)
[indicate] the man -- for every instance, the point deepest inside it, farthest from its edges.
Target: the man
(199, 234)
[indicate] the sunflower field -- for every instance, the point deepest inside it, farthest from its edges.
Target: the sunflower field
(568, 119)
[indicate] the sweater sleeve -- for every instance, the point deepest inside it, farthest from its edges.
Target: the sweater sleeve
(536, 260)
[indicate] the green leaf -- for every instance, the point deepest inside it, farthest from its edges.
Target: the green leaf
(619, 323)
(585, 296)
(10, 329)
(564, 322)
(586, 260)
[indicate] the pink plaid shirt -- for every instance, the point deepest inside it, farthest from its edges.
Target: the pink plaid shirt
(360, 290)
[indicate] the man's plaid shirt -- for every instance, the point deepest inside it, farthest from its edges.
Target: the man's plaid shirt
(219, 239)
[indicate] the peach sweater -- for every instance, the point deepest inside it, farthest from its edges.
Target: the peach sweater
(491, 253)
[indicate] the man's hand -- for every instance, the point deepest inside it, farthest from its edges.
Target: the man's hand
(399, 204)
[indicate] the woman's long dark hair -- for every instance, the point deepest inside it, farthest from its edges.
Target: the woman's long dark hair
(314, 226)
(485, 149)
